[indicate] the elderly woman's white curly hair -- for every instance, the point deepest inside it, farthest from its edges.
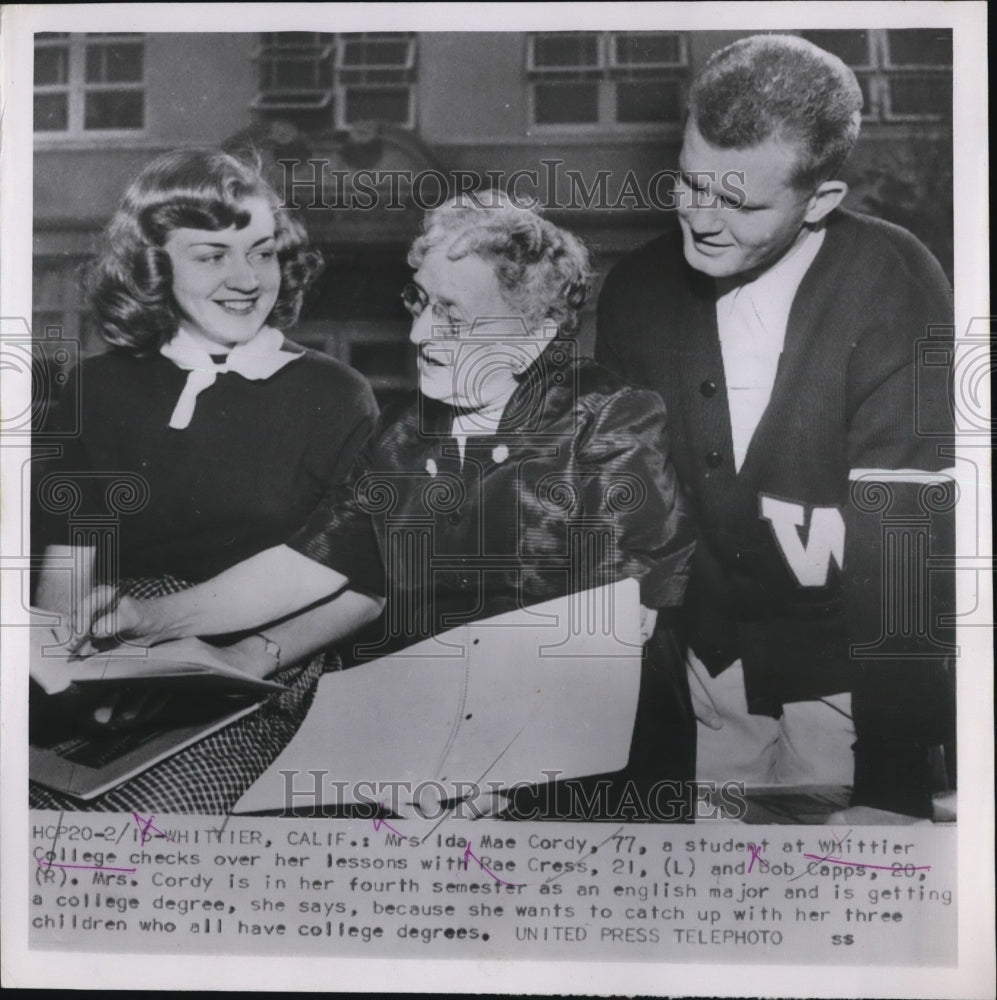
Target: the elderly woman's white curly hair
(543, 270)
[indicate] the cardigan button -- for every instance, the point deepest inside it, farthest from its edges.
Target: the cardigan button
(714, 459)
(708, 388)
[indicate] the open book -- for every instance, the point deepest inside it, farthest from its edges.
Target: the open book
(86, 761)
(526, 697)
(185, 660)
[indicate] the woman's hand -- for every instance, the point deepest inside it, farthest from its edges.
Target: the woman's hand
(104, 615)
(250, 655)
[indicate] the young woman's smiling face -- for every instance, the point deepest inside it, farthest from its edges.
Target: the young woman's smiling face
(226, 282)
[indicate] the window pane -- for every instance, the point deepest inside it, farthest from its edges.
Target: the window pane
(921, 95)
(865, 85)
(568, 103)
(347, 76)
(294, 74)
(51, 65)
(642, 47)
(566, 50)
(114, 63)
(114, 109)
(95, 63)
(648, 101)
(369, 52)
(51, 112)
(377, 105)
(124, 63)
(283, 73)
(851, 47)
(920, 47)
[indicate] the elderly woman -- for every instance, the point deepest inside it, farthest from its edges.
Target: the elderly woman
(523, 441)
(227, 431)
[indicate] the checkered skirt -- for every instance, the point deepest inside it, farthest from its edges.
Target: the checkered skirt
(209, 776)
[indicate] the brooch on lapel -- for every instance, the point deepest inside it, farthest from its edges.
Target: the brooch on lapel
(431, 467)
(500, 453)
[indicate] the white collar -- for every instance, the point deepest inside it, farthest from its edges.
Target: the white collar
(773, 291)
(258, 358)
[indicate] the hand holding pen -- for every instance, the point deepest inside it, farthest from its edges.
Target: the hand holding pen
(102, 619)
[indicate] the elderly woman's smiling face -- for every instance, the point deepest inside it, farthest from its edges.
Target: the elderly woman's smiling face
(471, 342)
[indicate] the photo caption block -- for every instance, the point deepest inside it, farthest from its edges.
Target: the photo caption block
(489, 890)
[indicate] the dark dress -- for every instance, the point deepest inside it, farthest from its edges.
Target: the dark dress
(573, 491)
(175, 507)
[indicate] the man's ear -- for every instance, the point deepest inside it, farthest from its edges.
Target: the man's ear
(828, 196)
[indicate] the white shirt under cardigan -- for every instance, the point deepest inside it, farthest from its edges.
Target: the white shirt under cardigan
(751, 321)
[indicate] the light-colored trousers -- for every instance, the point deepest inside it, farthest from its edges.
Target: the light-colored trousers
(811, 744)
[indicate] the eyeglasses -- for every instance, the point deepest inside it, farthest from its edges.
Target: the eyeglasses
(446, 325)
(415, 300)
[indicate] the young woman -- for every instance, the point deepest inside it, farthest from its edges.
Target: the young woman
(206, 436)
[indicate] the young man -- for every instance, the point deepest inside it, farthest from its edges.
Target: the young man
(784, 334)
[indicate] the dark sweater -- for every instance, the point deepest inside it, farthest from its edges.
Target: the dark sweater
(855, 390)
(248, 471)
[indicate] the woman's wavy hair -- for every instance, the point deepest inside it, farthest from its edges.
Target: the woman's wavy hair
(129, 284)
(543, 270)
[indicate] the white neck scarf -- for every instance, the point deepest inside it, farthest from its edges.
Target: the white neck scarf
(258, 358)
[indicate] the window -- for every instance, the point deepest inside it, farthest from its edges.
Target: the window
(57, 301)
(89, 83)
(615, 78)
(295, 70)
(321, 79)
(905, 73)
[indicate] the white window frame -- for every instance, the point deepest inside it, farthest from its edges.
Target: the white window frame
(607, 72)
(345, 78)
(77, 87)
(892, 70)
(321, 50)
(344, 73)
(880, 71)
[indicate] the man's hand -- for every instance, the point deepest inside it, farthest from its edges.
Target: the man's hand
(703, 705)
(870, 816)
(648, 619)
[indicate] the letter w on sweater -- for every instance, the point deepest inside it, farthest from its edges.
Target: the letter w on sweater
(810, 561)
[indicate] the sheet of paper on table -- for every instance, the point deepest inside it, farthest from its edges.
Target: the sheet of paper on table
(550, 688)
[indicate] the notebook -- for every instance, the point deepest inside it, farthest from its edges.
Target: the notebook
(85, 762)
